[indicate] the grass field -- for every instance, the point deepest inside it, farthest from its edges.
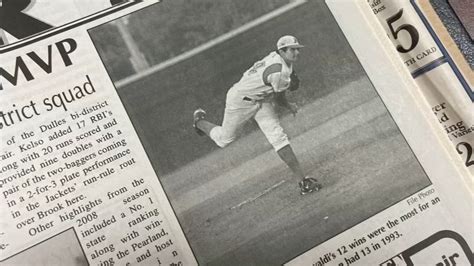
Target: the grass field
(240, 205)
(356, 152)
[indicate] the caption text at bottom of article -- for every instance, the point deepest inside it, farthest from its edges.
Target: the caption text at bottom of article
(382, 236)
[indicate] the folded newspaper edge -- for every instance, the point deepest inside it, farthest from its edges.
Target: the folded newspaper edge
(79, 186)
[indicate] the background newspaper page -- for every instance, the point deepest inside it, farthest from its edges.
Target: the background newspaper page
(439, 69)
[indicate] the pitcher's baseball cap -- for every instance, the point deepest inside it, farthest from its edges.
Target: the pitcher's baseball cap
(288, 41)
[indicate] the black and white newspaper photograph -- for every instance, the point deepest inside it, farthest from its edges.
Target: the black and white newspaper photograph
(233, 153)
(273, 132)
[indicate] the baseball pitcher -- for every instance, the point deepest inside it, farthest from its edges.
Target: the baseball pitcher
(261, 87)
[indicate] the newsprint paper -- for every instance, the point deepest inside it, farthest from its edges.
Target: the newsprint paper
(435, 62)
(132, 133)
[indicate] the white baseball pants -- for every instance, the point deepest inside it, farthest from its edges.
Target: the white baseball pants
(238, 111)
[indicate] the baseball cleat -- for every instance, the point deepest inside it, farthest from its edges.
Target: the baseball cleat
(308, 185)
(198, 115)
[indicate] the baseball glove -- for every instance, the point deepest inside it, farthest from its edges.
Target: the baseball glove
(295, 82)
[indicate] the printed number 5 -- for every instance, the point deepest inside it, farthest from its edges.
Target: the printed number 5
(415, 37)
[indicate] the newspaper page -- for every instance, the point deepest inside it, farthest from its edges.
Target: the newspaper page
(436, 62)
(128, 138)
(77, 186)
(237, 200)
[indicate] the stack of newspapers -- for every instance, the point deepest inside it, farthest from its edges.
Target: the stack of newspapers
(296, 132)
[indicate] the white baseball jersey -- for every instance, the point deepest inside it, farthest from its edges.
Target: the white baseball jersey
(269, 75)
(256, 82)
